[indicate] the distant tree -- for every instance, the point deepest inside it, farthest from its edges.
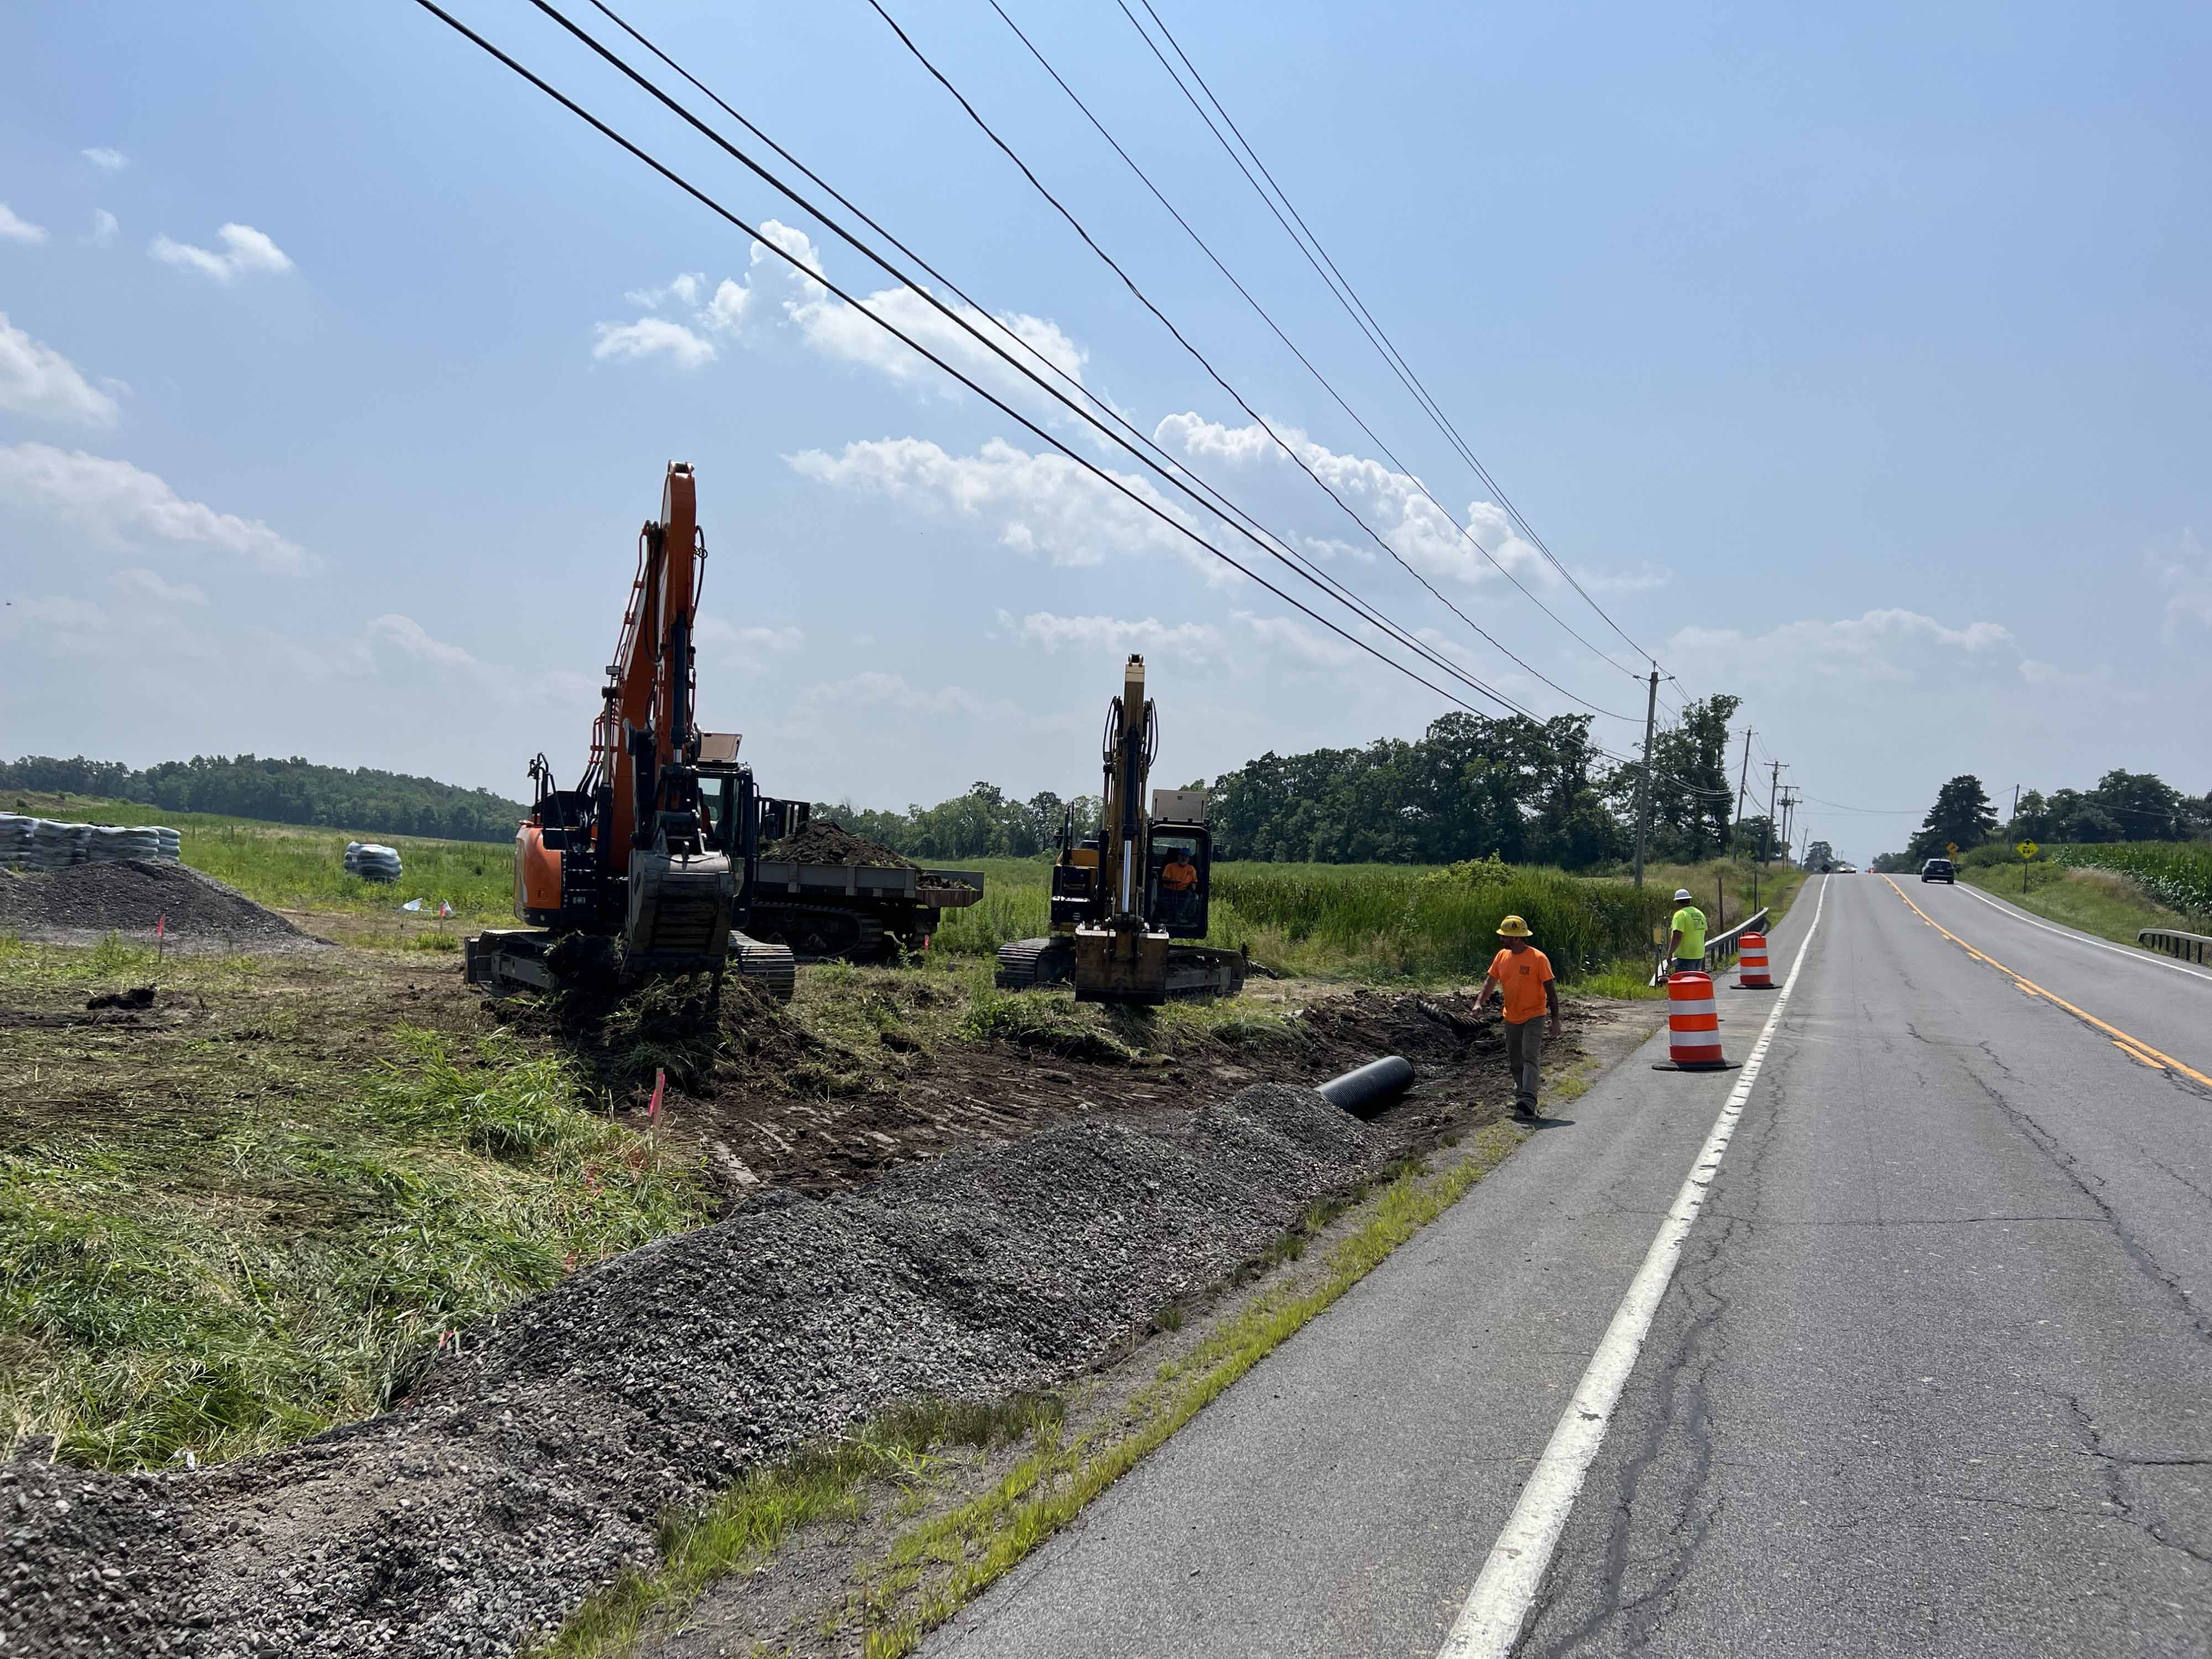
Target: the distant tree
(1820, 855)
(1693, 796)
(2144, 806)
(293, 791)
(1962, 813)
(1887, 864)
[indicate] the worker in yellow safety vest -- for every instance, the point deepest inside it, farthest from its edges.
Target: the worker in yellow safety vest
(1687, 944)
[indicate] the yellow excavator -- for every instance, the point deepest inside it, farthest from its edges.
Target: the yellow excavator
(1124, 897)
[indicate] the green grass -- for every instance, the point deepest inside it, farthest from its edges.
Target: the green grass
(2176, 875)
(220, 1237)
(1382, 923)
(2102, 901)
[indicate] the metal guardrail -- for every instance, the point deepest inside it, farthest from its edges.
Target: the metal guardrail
(2188, 947)
(1720, 948)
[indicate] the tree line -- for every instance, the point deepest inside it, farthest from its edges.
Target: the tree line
(293, 791)
(1527, 791)
(2124, 806)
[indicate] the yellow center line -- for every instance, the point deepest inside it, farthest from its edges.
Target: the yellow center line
(2137, 1055)
(2134, 1046)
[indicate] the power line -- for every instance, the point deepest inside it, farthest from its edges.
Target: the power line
(1206, 248)
(1364, 318)
(760, 235)
(1199, 357)
(1173, 471)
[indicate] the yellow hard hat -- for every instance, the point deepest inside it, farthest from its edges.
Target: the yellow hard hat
(1513, 927)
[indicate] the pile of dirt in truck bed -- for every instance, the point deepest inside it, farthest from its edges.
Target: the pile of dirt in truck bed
(826, 840)
(84, 903)
(530, 1466)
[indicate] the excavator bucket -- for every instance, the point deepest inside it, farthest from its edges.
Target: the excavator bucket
(679, 912)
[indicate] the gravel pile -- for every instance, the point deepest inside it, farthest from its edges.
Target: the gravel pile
(87, 902)
(526, 1471)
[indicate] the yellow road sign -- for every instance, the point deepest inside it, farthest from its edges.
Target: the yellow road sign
(2026, 849)
(1952, 848)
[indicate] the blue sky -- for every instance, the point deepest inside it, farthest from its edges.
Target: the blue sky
(1854, 360)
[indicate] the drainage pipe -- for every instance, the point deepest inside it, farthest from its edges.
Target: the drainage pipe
(1372, 1087)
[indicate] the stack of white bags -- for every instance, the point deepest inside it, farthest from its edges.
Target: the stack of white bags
(371, 861)
(29, 843)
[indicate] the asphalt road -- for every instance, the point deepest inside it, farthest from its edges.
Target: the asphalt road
(1934, 1377)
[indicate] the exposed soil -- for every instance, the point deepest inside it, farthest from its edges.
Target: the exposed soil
(85, 903)
(529, 1469)
(826, 840)
(782, 1107)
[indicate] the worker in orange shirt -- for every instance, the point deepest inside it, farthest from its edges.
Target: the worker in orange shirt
(1521, 977)
(1178, 885)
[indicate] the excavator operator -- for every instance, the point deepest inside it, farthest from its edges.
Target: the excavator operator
(1178, 885)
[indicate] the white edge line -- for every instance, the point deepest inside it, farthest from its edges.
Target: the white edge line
(2138, 954)
(1490, 1623)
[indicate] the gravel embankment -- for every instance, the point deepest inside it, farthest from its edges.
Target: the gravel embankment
(526, 1471)
(85, 903)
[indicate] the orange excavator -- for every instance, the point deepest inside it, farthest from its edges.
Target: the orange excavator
(644, 868)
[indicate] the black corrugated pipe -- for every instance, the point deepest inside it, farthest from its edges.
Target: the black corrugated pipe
(1373, 1086)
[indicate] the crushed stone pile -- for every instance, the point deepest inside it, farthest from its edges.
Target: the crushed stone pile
(528, 1469)
(826, 840)
(86, 902)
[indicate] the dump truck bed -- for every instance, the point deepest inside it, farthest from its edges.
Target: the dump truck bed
(940, 890)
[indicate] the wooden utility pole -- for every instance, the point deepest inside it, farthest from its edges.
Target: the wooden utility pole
(1742, 781)
(1773, 795)
(1643, 784)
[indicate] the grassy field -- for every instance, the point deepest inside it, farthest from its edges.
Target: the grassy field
(1400, 923)
(221, 1234)
(2101, 902)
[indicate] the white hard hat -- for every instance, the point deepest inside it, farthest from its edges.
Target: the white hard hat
(1683, 894)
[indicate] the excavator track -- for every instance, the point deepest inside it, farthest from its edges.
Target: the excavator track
(820, 933)
(770, 968)
(1032, 964)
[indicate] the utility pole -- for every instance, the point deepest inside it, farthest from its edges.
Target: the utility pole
(1789, 818)
(1643, 784)
(1742, 780)
(2015, 803)
(1767, 830)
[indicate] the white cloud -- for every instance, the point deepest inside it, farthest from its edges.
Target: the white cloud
(36, 379)
(627, 341)
(1875, 645)
(247, 252)
(1642, 580)
(683, 287)
(132, 636)
(836, 329)
(875, 690)
(1303, 643)
(1032, 503)
(13, 229)
(1191, 642)
(411, 637)
(105, 225)
(107, 160)
(146, 583)
(119, 505)
(749, 647)
(1392, 502)
(2184, 570)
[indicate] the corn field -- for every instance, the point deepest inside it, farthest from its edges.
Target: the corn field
(2177, 874)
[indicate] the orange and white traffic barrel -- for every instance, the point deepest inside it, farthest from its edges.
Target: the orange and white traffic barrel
(1693, 1025)
(1751, 963)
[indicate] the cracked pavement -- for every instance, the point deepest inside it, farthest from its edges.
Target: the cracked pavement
(1934, 1377)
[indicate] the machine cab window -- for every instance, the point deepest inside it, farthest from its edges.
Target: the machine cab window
(1178, 879)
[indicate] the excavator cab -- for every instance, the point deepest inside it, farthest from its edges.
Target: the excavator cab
(1178, 883)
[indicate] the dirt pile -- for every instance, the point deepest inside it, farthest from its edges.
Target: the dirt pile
(84, 903)
(533, 1462)
(826, 840)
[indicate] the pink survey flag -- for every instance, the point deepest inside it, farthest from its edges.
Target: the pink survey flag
(659, 1084)
(161, 925)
